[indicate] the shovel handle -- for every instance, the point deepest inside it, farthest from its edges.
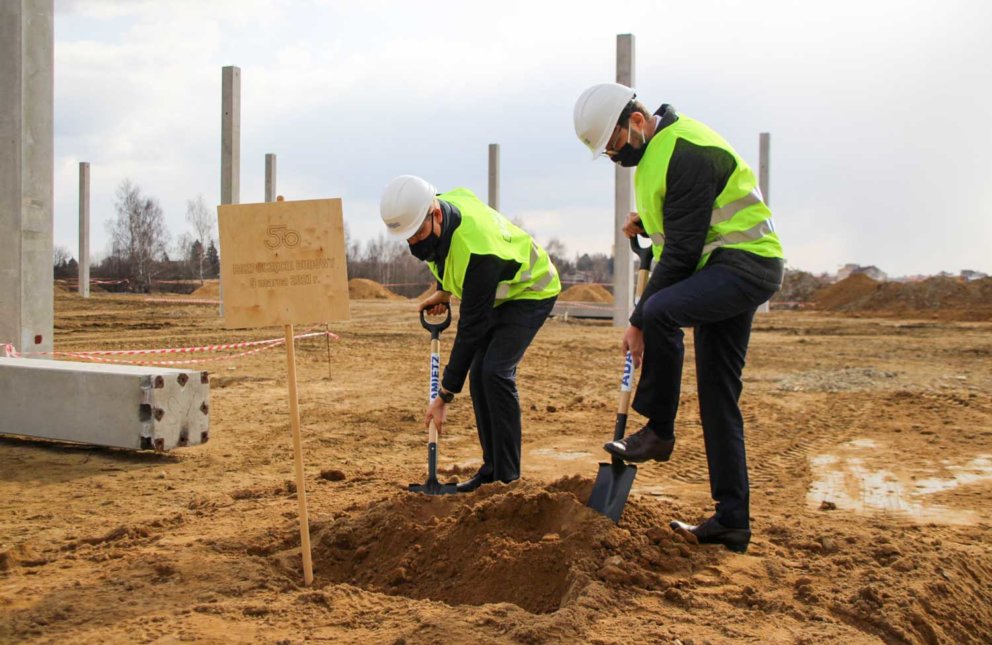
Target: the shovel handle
(435, 328)
(645, 254)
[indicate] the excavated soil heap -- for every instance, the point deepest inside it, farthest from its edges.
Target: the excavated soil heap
(210, 289)
(426, 292)
(586, 293)
(363, 289)
(531, 544)
(946, 298)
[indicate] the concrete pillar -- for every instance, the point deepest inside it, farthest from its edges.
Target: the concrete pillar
(764, 150)
(84, 229)
(270, 177)
(623, 203)
(230, 144)
(494, 176)
(26, 174)
(230, 128)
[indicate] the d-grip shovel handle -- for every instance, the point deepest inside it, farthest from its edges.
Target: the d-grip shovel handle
(435, 328)
(645, 254)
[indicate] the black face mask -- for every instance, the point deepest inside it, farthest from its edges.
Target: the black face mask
(426, 248)
(629, 156)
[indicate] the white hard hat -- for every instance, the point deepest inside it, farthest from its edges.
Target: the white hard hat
(404, 205)
(597, 112)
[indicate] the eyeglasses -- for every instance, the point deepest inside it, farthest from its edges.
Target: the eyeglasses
(613, 144)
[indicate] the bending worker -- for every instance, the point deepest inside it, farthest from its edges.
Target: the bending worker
(718, 258)
(507, 286)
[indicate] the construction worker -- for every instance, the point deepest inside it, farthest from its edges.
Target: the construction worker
(507, 286)
(717, 259)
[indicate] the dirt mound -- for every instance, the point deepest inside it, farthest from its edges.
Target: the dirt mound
(534, 545)
(363, 289)
(426, 292)
(210, 289)
(948, 298)
(586, 293)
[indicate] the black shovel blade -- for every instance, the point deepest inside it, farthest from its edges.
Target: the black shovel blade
(434, 487)
(612, 487)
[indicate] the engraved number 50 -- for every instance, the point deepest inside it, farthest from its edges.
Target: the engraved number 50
(277, 236)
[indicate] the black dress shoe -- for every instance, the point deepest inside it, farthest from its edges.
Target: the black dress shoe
(712, 532)
(642, 445)
(477, 480)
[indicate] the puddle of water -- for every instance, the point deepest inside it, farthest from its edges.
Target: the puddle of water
(855, 477)
(561, 455)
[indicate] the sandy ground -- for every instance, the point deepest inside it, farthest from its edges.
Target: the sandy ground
(887, 421)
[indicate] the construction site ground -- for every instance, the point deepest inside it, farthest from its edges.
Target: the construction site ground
(869, 444)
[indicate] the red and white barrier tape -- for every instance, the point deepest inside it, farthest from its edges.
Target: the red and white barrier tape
(98, 355)
(183, 301)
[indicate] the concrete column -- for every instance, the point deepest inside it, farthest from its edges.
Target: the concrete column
(764, 150)
(84, 229)
(26, 174)
(494, 176)
(270, 177)
(230, 144)
(623, 203)
(230, 128)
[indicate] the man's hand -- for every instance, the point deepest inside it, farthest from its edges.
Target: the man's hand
(633, 342)
(437, 410)
(435, 304)
(633, 226)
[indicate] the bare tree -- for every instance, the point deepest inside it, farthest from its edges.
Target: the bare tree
(203, 220)
(138, 233)
(65, 265)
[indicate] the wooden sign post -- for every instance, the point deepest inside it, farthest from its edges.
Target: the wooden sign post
(283, 263)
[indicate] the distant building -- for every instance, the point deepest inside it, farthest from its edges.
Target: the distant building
(872, 272)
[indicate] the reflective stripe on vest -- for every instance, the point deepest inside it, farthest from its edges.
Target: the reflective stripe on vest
(723, 214)
(756, 232)
(503, 289)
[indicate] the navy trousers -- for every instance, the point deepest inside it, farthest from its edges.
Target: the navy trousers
(719, 305)
(493, 384)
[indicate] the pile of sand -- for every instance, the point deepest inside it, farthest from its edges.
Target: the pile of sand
(587, 293)
(534, 545)
(210, 289)
(948, 298)
(431, 288)
(362, 289)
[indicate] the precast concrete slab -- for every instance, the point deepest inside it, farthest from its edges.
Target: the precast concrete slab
(120, 406)
(566, 309)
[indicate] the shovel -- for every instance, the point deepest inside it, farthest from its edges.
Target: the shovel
(432, 486)
(614, 480)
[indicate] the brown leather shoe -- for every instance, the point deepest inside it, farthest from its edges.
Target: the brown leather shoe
(712, 532)
(642, 445)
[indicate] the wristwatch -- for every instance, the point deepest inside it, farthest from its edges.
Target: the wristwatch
(447, 397)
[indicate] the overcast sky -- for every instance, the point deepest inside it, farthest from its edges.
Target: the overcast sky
(878, 110)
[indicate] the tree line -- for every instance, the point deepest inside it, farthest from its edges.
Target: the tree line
(142, 252)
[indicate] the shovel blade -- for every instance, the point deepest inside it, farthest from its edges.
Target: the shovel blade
(434, 487)
(612, 487)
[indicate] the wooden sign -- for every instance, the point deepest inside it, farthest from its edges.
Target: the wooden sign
(283, 263)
